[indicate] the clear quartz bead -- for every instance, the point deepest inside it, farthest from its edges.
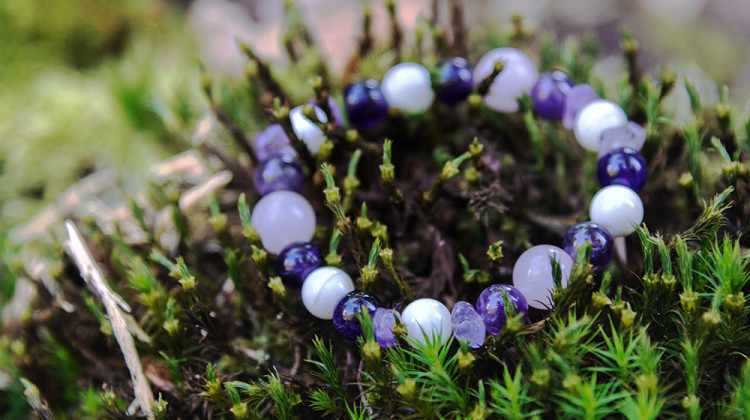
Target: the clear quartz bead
(618, 209)
(322, 290)
(281, 218)
(306, 130)
(594, 118)
(427, 317)
(407, 87)
(532, 274)
(631, 135)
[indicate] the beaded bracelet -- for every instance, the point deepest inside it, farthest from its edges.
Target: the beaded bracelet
(285, 221)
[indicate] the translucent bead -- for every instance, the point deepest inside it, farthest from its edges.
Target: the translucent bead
(280, 172)
(365, 104)
(594, 118)
(532, 274)
(549, 94)
(407, 87)
(491, 306)
(346, 312)
(618, 209)
(631, 135)
(455, 81)
(517, 77)
(427, 317)
(296, 261)
(602, 243)
(322, 290)
(623, 166)
(281, 218)
(467, 325)
(382, 324)
(578, 97)
(305, 130)
(272, 141)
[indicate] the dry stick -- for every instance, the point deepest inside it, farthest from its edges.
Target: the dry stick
(365, 44)
(263, 72)
(239, 137)
(459, 30)
(397, 33)
(281, 116)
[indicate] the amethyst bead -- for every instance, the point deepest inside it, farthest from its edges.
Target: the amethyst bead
(549, 94)
(382, 324)
(272, 141)
(623, 166)
(296, 261)
(602, 243)
(630, 135)
(280, 172)
(365, 104)
(578, 97)
(491, 306)
(345, 313)
(455, 81)
(467, 324)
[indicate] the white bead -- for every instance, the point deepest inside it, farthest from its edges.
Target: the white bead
(618, 209)
(594, 118)
(427, 316)
(407, 87)
(532, 274)
(517, 77)
(323, 288)
(305, 130)
(283, 217)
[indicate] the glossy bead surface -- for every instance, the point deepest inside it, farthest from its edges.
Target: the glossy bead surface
(272, 141)
(281, 218)
(296, 261)
(455, 81)
(467, 325)
(280, 172)
(516, 78)
(335, 110)
(594, 118)
(631, 135)
(623, 166)
(618, 209)
(578, 97)
(407, 87)
(305, 130)
(549, 94)
(322, 290)
(365, 104)
(491, 306)
(427, 317)
(349, 307)
(382, 324)
(532, 274)
(602, 243)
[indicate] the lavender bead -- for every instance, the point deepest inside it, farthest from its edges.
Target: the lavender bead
(346, 311)
(602, 243)
(280, 172)
(272, 141)
(491, 306)
(455, 81)
(578, 97)
(365, 104)
(549, 94)
(281, 218)
(532, 274)
(296, 261)
(623, 166)
(382, 323)
(631, 135)
(517, 77)
(467, 325)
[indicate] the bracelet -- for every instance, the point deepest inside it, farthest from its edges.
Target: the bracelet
(285, 220)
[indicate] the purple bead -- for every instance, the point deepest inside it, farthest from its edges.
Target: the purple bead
(296, 261)
(467, 325)
(549, 94)
(382, 323)
(578, 97)
(280, 172)
(345, 314)
(623, 166)
(272, 141)
(491, 306)
(455, 81)
(602, 244)
(365, 104)
(630, 135)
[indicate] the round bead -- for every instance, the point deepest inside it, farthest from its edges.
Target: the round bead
(578, 97)
(549, 94)
(305, 130)
(280, 172)
(272, 141)
(322, 290)
(602, 243)
(349, 307)
(532, 274)
(594, 118)
(623, 166)
(517, 77)
(618, 209)
(365, 104)
(455, 81)
(335, 110)
(491, 306)
(407, 87)
(296, 261)
(427, 317)
(631, 135)
(467, 325)
(281, 218)
(382, 325)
